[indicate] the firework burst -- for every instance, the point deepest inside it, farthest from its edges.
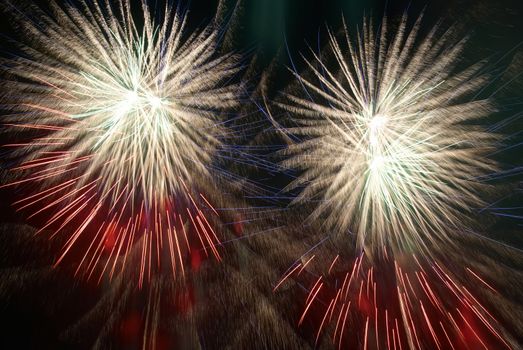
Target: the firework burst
(408, 302)
(121, 125)
(390, 143)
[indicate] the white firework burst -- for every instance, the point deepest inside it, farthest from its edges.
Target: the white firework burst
(126, 123)
(391, 145)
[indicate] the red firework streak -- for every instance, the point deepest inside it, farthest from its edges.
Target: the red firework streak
(403, 303)
(104, 230)
(113, 146)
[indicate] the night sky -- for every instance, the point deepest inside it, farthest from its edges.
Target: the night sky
(231, 304)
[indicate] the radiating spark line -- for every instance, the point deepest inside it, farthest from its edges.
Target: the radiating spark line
(410, 312)
(123, 124)
(482, 280)
(391, 143)
(333, 262)
(309, 304)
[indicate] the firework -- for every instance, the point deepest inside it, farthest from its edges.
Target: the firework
(399, 303)
(119, 125)
(390, 143)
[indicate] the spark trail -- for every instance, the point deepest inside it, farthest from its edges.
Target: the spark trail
(390, 139)
(408, 302)
(119, 126)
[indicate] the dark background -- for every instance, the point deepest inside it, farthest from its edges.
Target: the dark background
(279, 31)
